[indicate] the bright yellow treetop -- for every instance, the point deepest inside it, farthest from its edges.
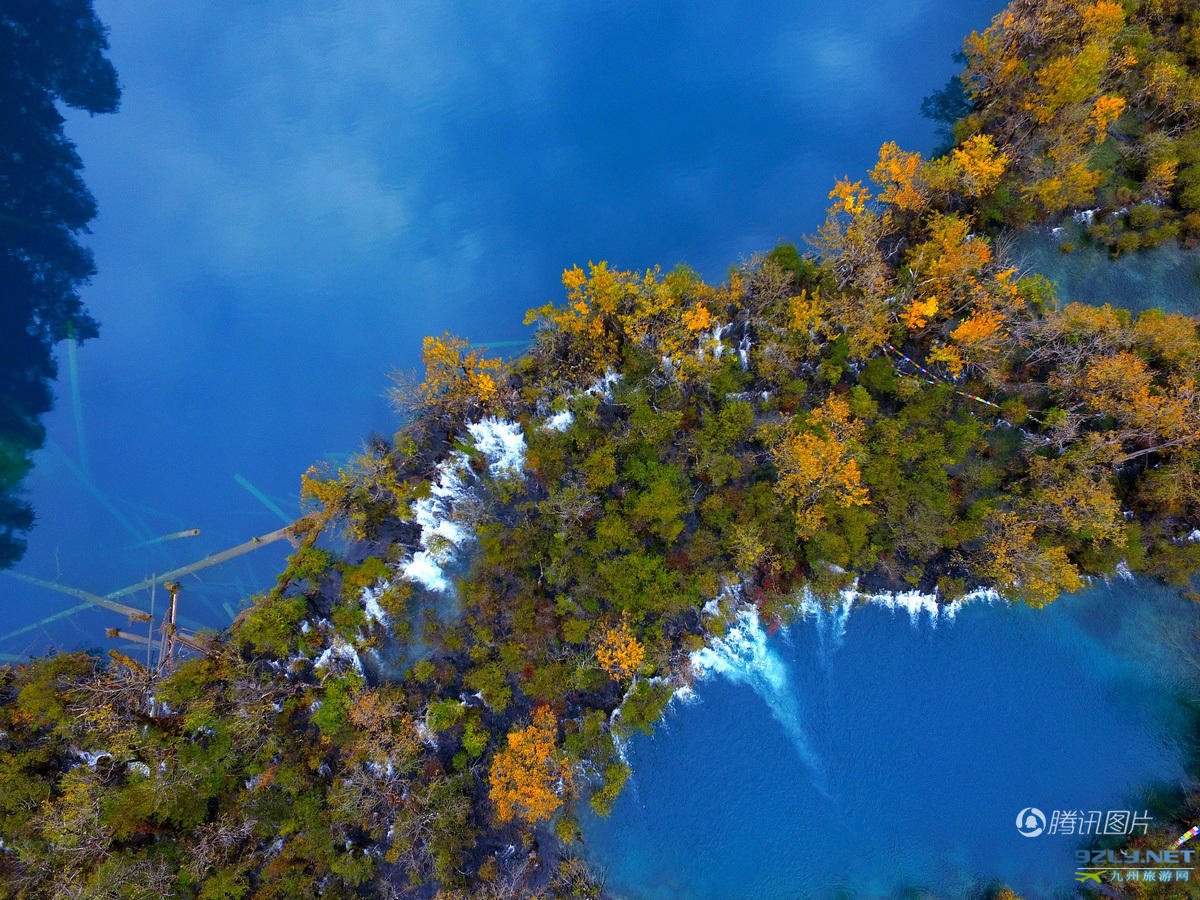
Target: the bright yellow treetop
(817, 468)
(619, 651)
(525, 776)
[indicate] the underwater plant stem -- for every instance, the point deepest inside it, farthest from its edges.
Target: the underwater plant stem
(261, 497)
(173, 536)
(77, 403)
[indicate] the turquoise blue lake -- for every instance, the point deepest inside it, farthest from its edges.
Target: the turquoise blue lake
(293, 195)
(873, 755)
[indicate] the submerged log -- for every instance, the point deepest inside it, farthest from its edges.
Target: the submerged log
(135, 615)
(287, 531)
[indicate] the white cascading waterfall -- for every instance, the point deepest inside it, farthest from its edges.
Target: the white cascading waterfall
(502, 444)
(743, 656)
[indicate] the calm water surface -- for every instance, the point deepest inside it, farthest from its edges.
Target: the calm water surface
(1166, 277)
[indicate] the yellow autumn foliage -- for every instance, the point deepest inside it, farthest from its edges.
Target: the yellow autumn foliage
(898, 173)
(817, 468)
(805, 311)
(457, 378)
(1021, 567)
(948, 356)
(919, 312)
(980, 164)
(1104, 19)
(852, 197)
(1106, 110)
(619, 652)
(525, 776)
(978, 327)
(607, 308)
(697, 318)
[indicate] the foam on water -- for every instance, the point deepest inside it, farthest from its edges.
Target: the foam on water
(929, 739)
(441, 535)
(560, 421)
(744, 654)
(370, 601)
(603, 388)
(915, 604)
(712, 342)
(743, 351)
(338, 652)
(425, 570)
(829, 620)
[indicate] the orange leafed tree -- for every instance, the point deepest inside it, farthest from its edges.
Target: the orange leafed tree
(1122, 387)
(1172, 337)
(697, 318)
(978, 327)
(920, 311)
(525, 775)
(851, 196)
(457, 377)
(817, 468)
(619, 652)
(898, 173)
(1106, 110)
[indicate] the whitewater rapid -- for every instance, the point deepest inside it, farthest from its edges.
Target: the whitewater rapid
(502, 444)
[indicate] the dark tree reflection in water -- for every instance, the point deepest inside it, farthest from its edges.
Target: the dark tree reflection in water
(53, 52)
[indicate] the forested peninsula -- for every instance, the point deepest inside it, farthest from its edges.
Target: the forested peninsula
(482, 609)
